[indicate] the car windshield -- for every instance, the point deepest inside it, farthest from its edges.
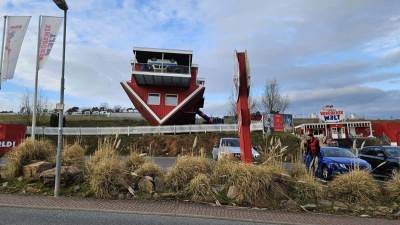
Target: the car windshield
(393, 151)
(234, 142)
(337, 152)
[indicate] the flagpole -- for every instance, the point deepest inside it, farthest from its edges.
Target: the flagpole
(2, 48)
(34, 115)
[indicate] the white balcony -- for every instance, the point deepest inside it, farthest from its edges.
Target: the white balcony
(162, 67)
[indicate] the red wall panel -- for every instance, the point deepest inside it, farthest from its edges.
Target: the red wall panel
(390, 128)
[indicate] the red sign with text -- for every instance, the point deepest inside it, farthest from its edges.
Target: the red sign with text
(10, 136)
(278, 122)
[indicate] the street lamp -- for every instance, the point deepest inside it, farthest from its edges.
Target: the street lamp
(60, 107)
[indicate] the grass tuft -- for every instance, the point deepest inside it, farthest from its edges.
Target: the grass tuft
(392, 187)
(358, 187)
(74, 155)
(27, 152)
(298, 170)
(105, 171)
(185, 169)
(307, 190)
(200, 188)
(134, 161)
(149, 169)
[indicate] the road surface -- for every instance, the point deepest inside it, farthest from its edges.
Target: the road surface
(32, 216)
(35, 209)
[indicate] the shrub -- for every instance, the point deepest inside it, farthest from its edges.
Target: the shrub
(134, 161)
(259, 185)
(223, 171)
(356, 187)
(105, 171)
(185, 169)
(26, 152)
(306, 189)
(149, 169)
(253, 183)
(393, 188)
(298, 170)
(74, 155)
(199, 188)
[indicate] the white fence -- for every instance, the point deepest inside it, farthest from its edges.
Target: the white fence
(195, 128)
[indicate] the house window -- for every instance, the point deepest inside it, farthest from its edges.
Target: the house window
(171, 99)
(153, 99)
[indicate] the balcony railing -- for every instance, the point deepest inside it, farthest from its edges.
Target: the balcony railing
(161, 68)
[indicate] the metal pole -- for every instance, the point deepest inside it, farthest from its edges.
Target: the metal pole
(60, 117)
(2, 48)
(33, 134)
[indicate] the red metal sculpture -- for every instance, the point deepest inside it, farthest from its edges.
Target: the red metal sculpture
(242, 83)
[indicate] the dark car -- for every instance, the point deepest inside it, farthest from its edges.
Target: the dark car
(385, 160)
(334, 161)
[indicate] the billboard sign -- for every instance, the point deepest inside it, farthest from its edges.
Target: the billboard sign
(288, 122)
(329, 114)
(277, 122)
(10, 136)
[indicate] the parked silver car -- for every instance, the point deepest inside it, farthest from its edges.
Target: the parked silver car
(230, 146)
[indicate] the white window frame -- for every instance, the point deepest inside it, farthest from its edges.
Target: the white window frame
(176, 102)
(148, 98)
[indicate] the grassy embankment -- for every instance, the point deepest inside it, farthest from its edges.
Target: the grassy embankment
(75, 121)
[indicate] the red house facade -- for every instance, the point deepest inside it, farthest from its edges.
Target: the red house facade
(164, 86)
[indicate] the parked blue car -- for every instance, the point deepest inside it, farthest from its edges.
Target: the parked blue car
(334, 161)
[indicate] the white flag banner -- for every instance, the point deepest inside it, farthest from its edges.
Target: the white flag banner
(49, 28)
(14, 35)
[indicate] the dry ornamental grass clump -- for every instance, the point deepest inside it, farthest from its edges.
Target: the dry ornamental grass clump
(223, 171)
(256, 184)
(200, 188)
(253, 182)
(305, 189)
(74, 155)
(392, 187)
(355, 187)
(105, 171)
(185, 169)
(149, 169)
(134, 161)
(26, 152)
(298, 170)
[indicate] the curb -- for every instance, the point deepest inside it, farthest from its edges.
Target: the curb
(146, 213)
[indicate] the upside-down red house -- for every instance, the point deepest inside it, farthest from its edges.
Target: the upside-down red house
(164, 86)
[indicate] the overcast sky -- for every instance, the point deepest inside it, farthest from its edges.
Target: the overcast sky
(344, 53)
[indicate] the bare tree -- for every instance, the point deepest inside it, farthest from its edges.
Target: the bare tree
(104, 106)
(272, 101)
(42, 108)
(26, 107)
(233, 104)
(117, 108)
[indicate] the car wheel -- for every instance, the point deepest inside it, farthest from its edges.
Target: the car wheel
(325, 173)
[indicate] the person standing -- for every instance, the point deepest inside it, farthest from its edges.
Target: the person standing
(313, 151)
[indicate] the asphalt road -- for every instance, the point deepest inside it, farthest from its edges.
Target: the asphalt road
(31, 216)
